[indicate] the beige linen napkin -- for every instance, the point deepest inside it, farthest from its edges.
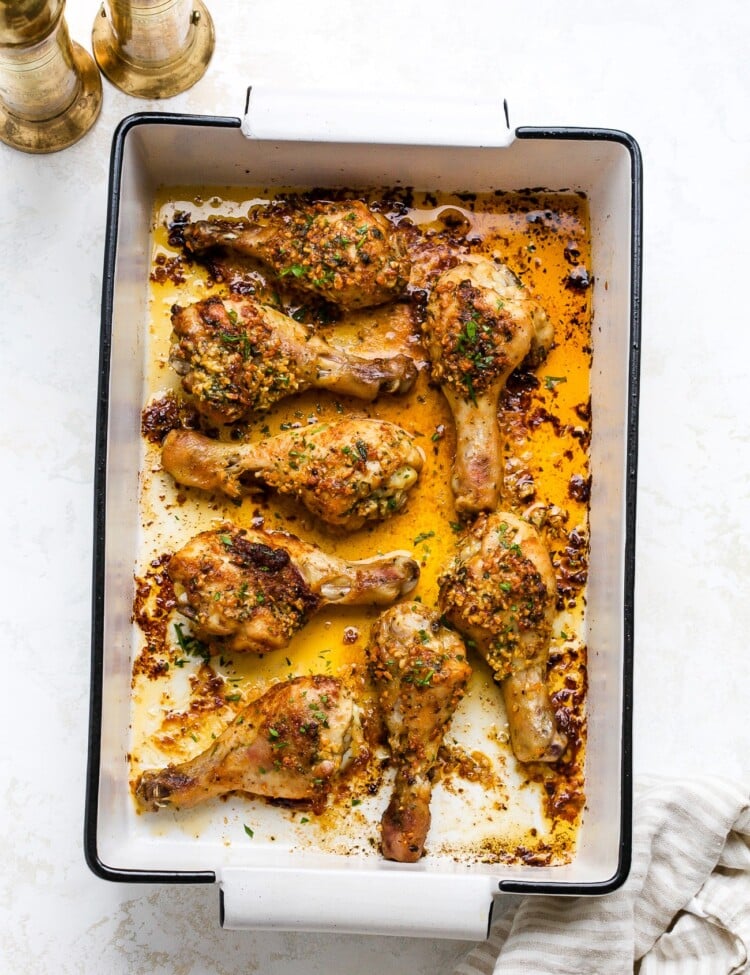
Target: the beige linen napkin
(684, 910)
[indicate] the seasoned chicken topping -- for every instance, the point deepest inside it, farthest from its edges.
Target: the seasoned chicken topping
(342, 251)
(346, 472)
(500, 593)
(479, 326)
(474, 349)
(235, 586)
(251, 590)
(231, 358)
(289, 744)
(238, 357)
(420, 671)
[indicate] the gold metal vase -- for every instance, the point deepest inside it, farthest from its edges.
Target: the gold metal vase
(50, 89)
(153, 48)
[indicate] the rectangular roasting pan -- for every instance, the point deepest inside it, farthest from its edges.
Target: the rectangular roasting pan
(266, 885)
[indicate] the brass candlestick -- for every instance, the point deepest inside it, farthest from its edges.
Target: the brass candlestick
(50, 89)
(153, 48)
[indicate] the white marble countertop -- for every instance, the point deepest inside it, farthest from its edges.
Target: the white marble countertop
(674, 75)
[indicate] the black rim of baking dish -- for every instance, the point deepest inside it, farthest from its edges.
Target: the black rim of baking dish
(91, 846)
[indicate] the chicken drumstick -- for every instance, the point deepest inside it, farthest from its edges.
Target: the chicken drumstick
(501, 593)
(341, 251)
(237, 357)
(287, 744)
(420, 671)
(251, 590)
(480, 325)
(346, 472)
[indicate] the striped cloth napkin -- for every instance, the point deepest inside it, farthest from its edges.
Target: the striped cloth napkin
(684, 910)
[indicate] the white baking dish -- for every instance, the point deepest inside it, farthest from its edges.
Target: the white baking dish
(264, 886)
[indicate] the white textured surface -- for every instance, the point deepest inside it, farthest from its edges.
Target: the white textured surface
(676, 76)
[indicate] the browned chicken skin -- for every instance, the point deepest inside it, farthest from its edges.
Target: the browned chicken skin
(237, 358)
(288, 744)
(251, 590)
(342, 251)
(480, 325)
(346, 472)
(420, 671)
(501, 593)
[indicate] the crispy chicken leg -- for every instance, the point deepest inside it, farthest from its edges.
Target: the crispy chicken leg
(237, 357)
(501, 593)
(287, 744)
(251, 590)
(480, 325)
(420, 671)
(341, 251)
(346, 472)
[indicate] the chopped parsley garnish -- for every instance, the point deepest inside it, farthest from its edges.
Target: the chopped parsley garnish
(423, 536)
(191, 645)
(319, 715)
(424, 681)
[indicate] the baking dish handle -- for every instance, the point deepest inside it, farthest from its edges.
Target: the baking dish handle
(341, 116)
(414, 903)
